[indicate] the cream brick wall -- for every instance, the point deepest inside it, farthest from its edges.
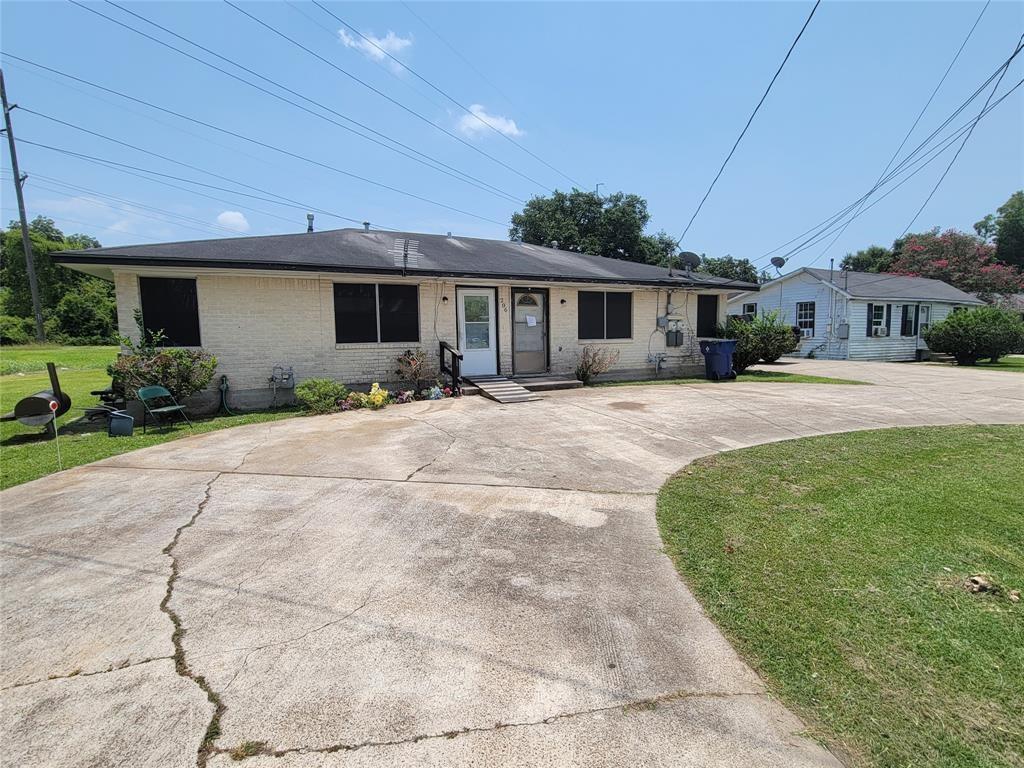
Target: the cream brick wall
(254, 322)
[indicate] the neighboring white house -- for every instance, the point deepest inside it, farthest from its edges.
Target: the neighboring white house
(346, 303)
(846, 315)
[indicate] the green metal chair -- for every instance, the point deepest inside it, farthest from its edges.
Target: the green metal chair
(159, 403)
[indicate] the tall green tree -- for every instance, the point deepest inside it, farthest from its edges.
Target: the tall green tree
(728, 267)
(586, 222)
(1009, 230)
(874, 258)
(93, 295)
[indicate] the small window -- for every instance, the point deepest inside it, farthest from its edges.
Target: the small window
(526, 300)
(805, 317)
(368, 313)
(170, 305)
(877, 315)
(604, 315)
(750, 309)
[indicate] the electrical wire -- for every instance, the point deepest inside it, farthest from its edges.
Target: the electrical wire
(423, 158)
(444, 93)
(960, 148)
(906, 138)
(749, 121)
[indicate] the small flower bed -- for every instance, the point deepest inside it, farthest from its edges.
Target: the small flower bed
(375, 399)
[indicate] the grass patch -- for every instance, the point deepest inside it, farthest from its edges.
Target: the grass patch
(27, 358)
(838, 565)
(1010, 363)
(247, 749)
(747, 376)
(25, 457)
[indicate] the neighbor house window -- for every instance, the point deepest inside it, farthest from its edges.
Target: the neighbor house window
(879, 316)
(170, 306)
(750, 308)
(805, 317)
(909, 320)
(605, 315)
(368, 312)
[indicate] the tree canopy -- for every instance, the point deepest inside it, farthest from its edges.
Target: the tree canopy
(586, 222)
(958, 258)
(727, 266)
(75, 306)
(874, 258)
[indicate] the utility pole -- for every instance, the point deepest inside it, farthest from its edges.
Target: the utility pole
(26, 241)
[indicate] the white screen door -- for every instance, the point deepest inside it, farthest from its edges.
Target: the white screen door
(477, 336)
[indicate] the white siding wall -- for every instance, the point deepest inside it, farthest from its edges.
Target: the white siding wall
(893, 347)
(801, 288)
(254, 322)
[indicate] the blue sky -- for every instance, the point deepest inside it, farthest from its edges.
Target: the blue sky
(641, 97)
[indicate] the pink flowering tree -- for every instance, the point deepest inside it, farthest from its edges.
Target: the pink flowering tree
(958, 258)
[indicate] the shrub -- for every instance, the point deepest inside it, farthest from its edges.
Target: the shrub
(773, 337)
(593, 361)
(747, 351)
(986, 332)
(16, 330)
(183, 372)
(84, 317)
(414, 369)
(320, 395)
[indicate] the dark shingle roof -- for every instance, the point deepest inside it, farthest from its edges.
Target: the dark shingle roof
(872, 285)
(359, 251)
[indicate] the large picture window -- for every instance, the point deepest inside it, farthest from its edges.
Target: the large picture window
(368, 313)
(605, 315)
(805, 317)
(170, 306)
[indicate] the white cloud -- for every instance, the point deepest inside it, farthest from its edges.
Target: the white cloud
(233, 220)
(377, 48)
(472, 127)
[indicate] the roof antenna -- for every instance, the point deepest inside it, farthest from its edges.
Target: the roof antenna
(366, 226)
(309, 222)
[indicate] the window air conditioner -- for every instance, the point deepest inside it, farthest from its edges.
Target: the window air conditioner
(881, 331)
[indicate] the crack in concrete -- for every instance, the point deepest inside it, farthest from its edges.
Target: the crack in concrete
(256, 649)
(79, 673)
(640, 705)
(252, 450)
(180, 664)
(452, 439)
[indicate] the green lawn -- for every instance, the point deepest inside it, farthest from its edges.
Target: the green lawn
(746, 376)
(1009, 363)
(836, 565)
(24, 457)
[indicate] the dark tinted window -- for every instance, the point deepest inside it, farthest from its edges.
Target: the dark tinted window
(399, 313)
(591, 315)
(707, 314)
(619, 315)
(171, 305)
(355, 312)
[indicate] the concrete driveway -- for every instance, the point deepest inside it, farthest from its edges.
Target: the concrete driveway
(446, 583)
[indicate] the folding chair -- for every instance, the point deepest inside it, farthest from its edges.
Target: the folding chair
(155, 400)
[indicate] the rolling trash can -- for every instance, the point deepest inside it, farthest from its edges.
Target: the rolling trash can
(120, 424)
(718, 359)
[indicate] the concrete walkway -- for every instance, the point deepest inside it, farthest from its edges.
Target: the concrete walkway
(443, 583)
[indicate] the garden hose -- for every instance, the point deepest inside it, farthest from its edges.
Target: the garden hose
(224, 396)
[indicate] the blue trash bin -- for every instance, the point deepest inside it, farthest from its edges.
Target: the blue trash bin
(718, 359)
(120, 424)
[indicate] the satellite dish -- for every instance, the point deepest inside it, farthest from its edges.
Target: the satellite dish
(689, 260)
(778, 262)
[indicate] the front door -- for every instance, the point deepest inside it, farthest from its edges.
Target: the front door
(529, 332)
(478, 336)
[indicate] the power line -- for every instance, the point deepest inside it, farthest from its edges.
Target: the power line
(920, 114)
(900, 167)
(444, 93)
(749, 121)
(400, 105)
(434, 163)
(454, 50)
(261, 144)
(961, 147)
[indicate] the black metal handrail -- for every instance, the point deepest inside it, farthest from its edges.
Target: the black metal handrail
(455, 368)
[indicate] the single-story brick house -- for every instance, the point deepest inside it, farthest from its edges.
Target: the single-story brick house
(844, 315)
(346, 303)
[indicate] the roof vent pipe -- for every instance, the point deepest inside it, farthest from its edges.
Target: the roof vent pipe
(366, 226)
(309, 222)
(554, 244)
(449, 234)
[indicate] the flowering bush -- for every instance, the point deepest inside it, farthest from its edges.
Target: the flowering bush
(593, 361)
(958, 258)
(433, 393)
(405, 397)
(378, 396)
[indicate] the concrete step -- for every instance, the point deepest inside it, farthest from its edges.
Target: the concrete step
(502, 390)
(547, 383)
